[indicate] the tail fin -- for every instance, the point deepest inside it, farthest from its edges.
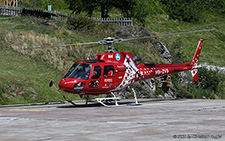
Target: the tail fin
(194, 62)
(197, 53)
(194, 73)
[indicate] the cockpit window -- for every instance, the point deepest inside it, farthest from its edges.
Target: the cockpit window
(70, 70)
(108, 71)
(96, 72)
(80, 71)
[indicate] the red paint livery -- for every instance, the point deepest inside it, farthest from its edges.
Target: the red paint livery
(111, 72)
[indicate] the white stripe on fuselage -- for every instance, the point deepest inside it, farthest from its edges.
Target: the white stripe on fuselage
(130, 74)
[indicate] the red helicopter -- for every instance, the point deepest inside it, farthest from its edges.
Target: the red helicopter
(111, 72)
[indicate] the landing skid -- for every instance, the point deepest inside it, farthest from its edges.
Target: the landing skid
(116, 99)
(70, 101)
(101, 100)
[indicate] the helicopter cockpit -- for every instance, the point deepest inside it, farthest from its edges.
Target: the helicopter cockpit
(79, 71)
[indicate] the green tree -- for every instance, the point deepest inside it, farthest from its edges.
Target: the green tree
(193, 10)
(131, 8)
(43, 4)
(215, 6)
(31, 4)
(137, 9)
(89, 6)
(183, 10)
(56, 4)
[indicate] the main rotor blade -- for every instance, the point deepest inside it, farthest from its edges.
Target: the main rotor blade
(147, 37)
(114, 41)
(64, 45)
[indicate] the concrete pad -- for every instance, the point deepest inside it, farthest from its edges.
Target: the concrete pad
(152, 120)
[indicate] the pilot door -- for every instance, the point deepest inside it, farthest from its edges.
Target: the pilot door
(95, 77)
(108, 77)
(102, 78)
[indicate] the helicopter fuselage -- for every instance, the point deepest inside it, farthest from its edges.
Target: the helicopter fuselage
(111, 72)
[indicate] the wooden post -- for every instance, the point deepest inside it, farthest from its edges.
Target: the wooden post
(6, 3)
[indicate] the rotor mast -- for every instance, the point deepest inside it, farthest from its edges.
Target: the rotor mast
(109, 41)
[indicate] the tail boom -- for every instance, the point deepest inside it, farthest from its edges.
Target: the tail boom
(147, 71)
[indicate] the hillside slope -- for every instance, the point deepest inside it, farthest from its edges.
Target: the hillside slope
(23, 80)
(213, 52)
(25, 74)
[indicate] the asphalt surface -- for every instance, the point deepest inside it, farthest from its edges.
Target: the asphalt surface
(152, 120)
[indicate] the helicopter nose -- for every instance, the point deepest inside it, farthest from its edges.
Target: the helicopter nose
(66, 84)
(71, 85)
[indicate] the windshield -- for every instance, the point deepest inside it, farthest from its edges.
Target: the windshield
(80, 71)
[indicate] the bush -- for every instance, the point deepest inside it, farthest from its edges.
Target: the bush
(187, 11)
(2, 90)
(193, 10)
(80, 21)
(215, 6)
(176, 50)
(31, 4)
(211, 85)
(197, 92)
(140, 11)
(209, 79)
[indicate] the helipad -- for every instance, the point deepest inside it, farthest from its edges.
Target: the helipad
(152, 120)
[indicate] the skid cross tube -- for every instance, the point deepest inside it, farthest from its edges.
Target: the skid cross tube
(115, 98)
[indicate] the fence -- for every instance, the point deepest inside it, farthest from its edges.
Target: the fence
(18, 11)
(44, 14)
(13, 11)
(118, 21)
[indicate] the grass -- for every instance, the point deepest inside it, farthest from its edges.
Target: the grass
(23, 80)
(24, 75)
(213, 46)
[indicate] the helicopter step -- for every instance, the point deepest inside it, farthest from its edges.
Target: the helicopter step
(114, 98)
(100, 100)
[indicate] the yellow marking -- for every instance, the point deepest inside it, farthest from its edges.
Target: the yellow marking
(35, 110)
(185, 68)
(164, 103)
(2, 114)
